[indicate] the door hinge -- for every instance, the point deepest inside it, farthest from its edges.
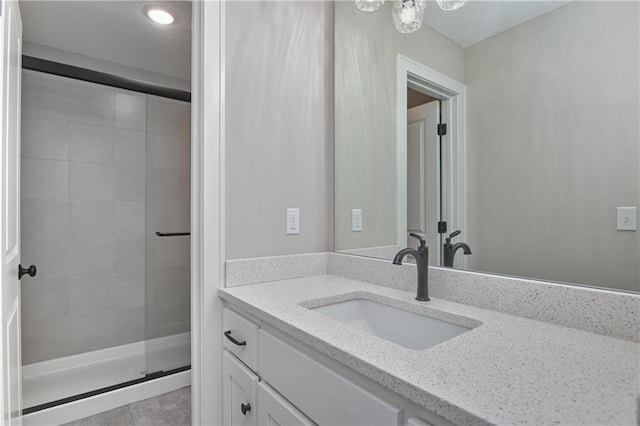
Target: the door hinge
(442, 227)
(442, 129)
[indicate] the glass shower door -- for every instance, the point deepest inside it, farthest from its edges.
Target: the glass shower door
(168, 169)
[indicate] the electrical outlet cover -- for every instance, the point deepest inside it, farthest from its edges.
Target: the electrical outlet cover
(356, 220)
(293, 222)
(627, 218)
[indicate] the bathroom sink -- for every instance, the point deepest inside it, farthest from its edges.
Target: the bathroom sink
(408, 329)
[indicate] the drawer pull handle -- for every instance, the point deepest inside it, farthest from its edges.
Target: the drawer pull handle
(245, 408)
(228, 335)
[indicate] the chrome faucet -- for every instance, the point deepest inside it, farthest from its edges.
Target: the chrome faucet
(449, 250)
(422, 261)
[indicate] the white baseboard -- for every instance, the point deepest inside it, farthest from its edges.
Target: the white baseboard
(107, 401)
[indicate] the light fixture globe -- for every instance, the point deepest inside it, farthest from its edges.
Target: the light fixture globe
(407, 15)
(160, 16)
(369, 5)
(450, 4)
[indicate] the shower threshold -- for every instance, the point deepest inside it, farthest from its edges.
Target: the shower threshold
(65, 380)
(73, 398)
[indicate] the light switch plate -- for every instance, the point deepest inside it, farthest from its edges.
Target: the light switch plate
(293, 222)
(627, 218)
(356, 220)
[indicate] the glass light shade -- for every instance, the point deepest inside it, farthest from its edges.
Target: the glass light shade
(407, 15)
(160, 16)
(450, 4)
(369, 5)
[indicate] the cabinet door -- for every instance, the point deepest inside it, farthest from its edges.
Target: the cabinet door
(274, 410)
(239, 392)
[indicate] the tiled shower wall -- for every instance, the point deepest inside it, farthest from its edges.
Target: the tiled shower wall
(85, 210)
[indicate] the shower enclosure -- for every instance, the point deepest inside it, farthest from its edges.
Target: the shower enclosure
(105, 200)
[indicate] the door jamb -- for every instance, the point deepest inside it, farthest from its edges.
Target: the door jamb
(207, 209)
(452, 93)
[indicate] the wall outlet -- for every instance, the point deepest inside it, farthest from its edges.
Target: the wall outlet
(356, 220)
(293, 221)
(627, 218)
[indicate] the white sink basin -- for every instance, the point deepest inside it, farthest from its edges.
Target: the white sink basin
(408, 329)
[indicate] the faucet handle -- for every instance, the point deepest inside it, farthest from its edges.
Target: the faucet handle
(419, 238)
(453, 235)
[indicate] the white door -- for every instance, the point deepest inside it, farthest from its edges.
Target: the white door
(10, 227)
(423, 177)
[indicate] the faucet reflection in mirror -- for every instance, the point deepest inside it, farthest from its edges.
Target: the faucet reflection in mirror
(407, 14)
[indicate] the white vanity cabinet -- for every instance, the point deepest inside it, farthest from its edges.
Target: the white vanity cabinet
(271, 379)
(239, 396)
(274, 410)
(327, 397)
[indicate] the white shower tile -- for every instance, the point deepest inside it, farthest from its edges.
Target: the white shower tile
(169, 284)
(130, 183)
(168, 116)
(91, 256)
(131, 148)
(130, 218)
(91, 104)
(90, 181)
(170, 252)
(130, 325)
(42, 138)
(171, 151)
(168, 184)
(50, 256)
(130, 111)
(91, 218)
(45, 298)
(92, 293)
(93, 331)
(130, 254)
(45, 339)
(48, 179)
(168, 318)
(91, 144)
(44, 97)
(43, 219)
(169, 216)
(130, 289)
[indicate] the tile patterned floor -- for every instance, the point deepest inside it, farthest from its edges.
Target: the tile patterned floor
(169, 409)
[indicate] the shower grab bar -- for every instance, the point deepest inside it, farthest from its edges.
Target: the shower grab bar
(172, 234)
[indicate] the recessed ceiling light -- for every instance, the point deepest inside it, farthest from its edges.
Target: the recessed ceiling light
(160, 16)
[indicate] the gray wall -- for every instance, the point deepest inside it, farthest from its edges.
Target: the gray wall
(366, 48)
(279, 110)
(83, 216)
(553, 146)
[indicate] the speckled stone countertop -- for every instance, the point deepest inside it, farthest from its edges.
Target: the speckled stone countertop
(506, 370)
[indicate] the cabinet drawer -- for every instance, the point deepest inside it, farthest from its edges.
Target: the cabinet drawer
(240, 337)
(274, 410)
(239, 394)
(322, 394)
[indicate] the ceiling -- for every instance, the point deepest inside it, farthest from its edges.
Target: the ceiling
(114, 31)
(120, 32)
(481, 19)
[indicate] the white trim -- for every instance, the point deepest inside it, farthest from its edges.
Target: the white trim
(453, 94)
(107, 401)
(207, 209)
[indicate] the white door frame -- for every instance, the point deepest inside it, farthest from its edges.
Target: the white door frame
(207, 209)
(452, 93)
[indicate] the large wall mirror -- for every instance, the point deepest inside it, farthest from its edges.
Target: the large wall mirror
(542, 104)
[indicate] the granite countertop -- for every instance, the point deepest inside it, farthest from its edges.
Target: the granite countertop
(506, 370)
